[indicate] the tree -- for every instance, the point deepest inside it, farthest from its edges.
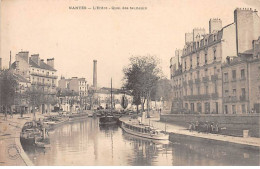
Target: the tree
(162, 90)
(124, 102)
(8, 86)
(141, 76)
(136, 100)
(35, 97)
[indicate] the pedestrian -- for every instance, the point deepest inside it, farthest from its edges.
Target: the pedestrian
(5, 115)
(11, 114)
(190, 127)
(207, 127)
(211, 127)
(196, 125)
(217, 129)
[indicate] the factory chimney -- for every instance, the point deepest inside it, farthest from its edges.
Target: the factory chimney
(0, 64)
(10, 62)
(95, 74)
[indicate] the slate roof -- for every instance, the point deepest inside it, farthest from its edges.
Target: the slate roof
(41, 66)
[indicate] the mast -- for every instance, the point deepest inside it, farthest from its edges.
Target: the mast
(111, 96)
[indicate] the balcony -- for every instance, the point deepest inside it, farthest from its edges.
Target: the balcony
(197, 81)
(230, 99)
(205, 79)
(190, 82)
(197, 97)
(44, 75)
(214, 95)
(184, 83)
(234, 80)
(214, 77)
(243, 98)
(242, 78)
(38, 83)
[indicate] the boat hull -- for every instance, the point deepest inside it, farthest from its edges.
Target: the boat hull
(145, 135)
(108, 120)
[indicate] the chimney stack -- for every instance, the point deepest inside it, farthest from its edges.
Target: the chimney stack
(0, 64)
(10, 62)
(50, 62)
(95, 74)
(35, 58)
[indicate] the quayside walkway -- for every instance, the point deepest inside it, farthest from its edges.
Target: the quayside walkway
(181, 131)
(11, 151)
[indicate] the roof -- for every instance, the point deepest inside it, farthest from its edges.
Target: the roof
(41, 66)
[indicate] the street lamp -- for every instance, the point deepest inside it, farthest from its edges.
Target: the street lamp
(142, 102)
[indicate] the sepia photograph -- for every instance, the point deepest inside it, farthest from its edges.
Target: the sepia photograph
(129, 83)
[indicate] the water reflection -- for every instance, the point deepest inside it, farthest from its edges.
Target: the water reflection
(86, 143)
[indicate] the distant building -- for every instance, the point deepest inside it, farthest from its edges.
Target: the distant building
(197, 80)
(77, 85)
(68, 100)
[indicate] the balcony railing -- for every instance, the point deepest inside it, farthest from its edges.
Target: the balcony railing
(214, 95)
(44, 75)
(197, 97)
(197, 81)
(243, 98)
(205, 79)
(230, 99)
(38, 83)
(214, 77)
(184, 83)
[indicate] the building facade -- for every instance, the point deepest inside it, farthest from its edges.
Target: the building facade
(241, 82)
(68, 100)
(77, 85)
(197, 81)
(42, 76)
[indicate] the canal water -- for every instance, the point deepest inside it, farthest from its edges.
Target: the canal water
(86, 143)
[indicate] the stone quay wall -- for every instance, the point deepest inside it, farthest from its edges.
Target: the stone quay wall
(232, 124)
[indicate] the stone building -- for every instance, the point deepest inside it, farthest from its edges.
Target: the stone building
(241, 82)
(197, 81)
(41, 75)
(68, 100)
(77, 85)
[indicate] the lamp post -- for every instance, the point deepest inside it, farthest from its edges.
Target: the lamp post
(142, 102)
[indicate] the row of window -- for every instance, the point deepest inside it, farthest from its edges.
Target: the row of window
(178, 81)
(234, 109)
(42, 80)
(234, 75)
(198, 59)
(198, 91)
(234, 92)
(198, 44)
(199, 107)
(42, 71)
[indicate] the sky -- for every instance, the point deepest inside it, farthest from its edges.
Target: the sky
(76, 37)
